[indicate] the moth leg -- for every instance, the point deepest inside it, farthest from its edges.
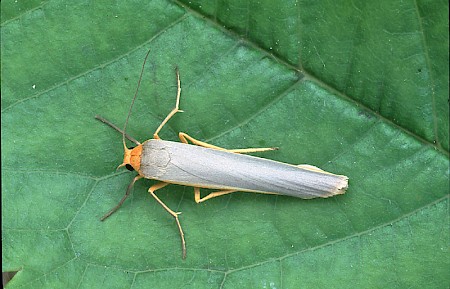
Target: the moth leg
(127, 193)
(152, 190)
(185, 137)
(311, 168)
(198, 199)
(105, 121)
(174, 110)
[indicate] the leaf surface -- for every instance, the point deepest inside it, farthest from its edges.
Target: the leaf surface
(359, 89)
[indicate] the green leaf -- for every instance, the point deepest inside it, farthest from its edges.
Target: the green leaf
(357, 88)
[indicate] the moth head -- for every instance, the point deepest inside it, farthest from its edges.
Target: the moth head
(132, 158)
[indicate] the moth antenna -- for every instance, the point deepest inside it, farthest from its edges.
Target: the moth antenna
(132, 102)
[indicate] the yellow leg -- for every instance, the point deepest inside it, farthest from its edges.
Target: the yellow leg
(198, 199)
(185, 137)
(152, 190)
(174, 110)
(314, 169)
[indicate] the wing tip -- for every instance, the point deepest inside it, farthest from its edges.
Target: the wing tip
(340, 188)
